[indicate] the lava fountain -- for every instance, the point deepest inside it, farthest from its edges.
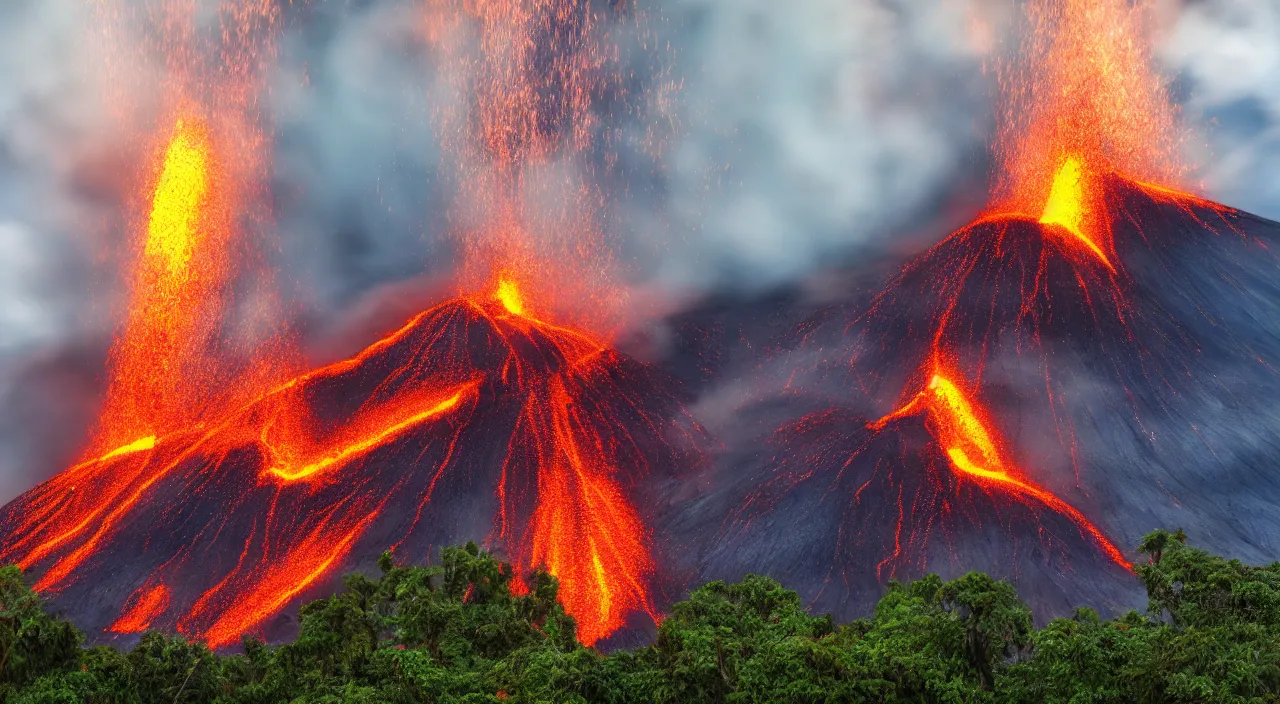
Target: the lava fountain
(157, 366)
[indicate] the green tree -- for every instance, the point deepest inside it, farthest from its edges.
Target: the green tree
(31, 641)
(995, 622)
(456, 632)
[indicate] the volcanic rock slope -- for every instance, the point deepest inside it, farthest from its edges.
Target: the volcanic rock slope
(1008, 401)
(470, 423)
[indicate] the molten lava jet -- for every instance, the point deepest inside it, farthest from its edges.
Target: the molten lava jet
(158, 369)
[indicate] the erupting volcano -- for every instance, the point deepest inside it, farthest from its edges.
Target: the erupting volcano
(469, 404)
(1026, 397)
(1089, 271)
(236, 487)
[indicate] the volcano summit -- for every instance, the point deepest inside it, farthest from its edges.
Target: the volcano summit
(1053, 402)
(470, 412)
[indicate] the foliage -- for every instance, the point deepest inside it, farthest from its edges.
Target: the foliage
(458, 632)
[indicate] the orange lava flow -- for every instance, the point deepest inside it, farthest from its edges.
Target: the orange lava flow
(960, 430)
(76, 500)
(158, 371)
(529, 81)
(138, 445)
(293, 467)
(138, 618)
(82, 506)
(585, 530)
(276, 580)
(360, 434)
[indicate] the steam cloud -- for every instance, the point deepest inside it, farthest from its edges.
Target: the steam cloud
(801, 133)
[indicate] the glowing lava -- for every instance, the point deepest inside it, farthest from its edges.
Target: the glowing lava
(138, 445)
(159, 375)
(179, 198)
(146, 607)
(973, 453)
(585, 530)
(271, 497)
(1066, 206)
(1082, 103)
(238, 604)
(509, 295)
(290, 462)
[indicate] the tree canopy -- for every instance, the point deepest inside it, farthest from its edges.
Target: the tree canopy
(456, 632)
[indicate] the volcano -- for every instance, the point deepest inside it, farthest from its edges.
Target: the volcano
(1017, 401)
(473, 421)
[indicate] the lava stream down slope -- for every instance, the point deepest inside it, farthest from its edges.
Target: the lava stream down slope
(472, 421)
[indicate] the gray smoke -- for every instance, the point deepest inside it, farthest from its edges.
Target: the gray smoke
(1228, 55)
(799, 134)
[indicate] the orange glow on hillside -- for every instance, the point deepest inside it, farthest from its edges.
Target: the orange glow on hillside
(138, 445)
(241, 606)
(562, 492)
(179, 428)
(972, 451)
(585, 531)
(301, 460)
(146, 607)
(83, 505)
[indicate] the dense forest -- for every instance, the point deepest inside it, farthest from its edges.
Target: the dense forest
(454, 632)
